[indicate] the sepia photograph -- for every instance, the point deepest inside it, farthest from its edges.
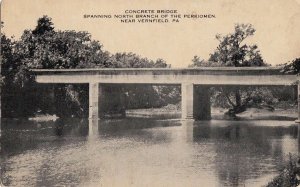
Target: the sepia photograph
(150, 93)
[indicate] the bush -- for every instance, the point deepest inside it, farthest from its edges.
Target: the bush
(288, 177)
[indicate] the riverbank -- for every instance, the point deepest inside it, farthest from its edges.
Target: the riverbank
(173, 112)
(264, 114)
(44, 117)
(218, 113)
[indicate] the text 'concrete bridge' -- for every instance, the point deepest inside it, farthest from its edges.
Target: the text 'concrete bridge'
(193, 81)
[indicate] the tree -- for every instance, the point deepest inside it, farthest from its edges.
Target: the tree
(16, 81)
(61, 49)
(234, 51)
(131, 60)
(293, 67)
(198, 62)
(44, 24)
(45, 47)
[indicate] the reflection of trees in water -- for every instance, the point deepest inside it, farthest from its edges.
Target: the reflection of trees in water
(59, 126)
(237, 151)
(47, 173)
(19, 136)
(138, 129)
(71, 127)
(244, 151)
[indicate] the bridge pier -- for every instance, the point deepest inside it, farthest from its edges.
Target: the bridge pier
(105, 100)
(187, 101)
(195, 102)
(94, 100)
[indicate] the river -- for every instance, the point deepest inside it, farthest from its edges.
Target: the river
(144, 152)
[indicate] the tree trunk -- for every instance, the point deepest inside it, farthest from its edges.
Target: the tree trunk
(238, 98)
(238, 107)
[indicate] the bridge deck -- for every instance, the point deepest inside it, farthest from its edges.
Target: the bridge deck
(208, 76)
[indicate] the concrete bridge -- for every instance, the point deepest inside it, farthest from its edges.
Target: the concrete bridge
(194, 82)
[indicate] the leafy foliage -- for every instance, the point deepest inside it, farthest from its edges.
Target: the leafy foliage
(44, 47)
(61, 49)
(288, 177)
(234, 51)
(16, 80)
(198, 62)
(293, 67)
(44, 24)
(131, 60)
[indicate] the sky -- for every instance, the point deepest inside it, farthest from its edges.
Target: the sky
(277, 25)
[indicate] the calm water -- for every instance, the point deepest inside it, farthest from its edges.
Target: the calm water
(144, 152)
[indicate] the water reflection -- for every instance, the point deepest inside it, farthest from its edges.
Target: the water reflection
(139, 152)
(246, 151)
(59, 126)
(298, 135)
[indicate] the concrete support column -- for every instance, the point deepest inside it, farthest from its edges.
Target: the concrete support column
(93, 128)
(187, 101)
(298, 120)
(202, 109)
(93, 100)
